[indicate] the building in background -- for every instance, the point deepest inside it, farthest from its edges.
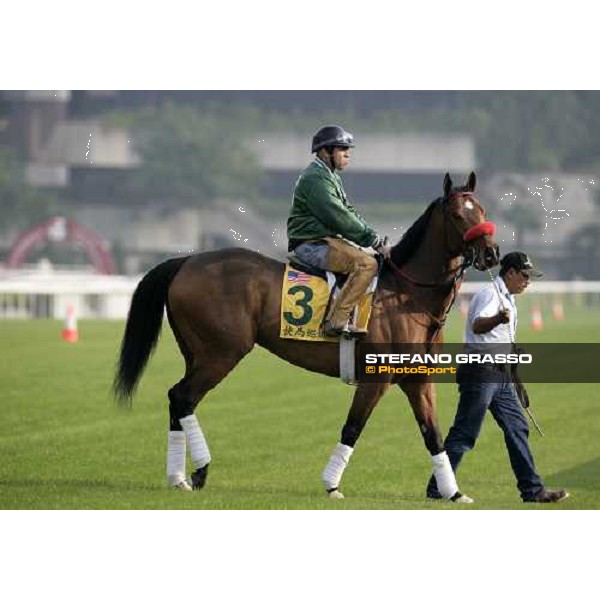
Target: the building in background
(68, 148)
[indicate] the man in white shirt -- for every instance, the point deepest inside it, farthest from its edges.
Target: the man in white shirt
(492, 319)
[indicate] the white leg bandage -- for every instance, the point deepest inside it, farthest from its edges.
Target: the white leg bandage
(196, 441)
(444, 475)
(176, 457)
(336, 466)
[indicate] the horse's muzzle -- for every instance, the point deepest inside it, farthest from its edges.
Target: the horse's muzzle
(487, 257)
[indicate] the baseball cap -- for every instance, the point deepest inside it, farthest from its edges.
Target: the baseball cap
(521, 262)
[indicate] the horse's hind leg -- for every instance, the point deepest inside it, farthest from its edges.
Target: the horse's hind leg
(176, 447)
(176, 452)
(183, 400)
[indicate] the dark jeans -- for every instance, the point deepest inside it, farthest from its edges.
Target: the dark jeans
(499, 396)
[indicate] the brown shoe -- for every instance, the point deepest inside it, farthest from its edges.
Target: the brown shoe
(355, 332)
(333, 330)
(545, 496)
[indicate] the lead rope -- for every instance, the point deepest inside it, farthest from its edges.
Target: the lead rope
(466, 263)
(514, 345)
(437, 323)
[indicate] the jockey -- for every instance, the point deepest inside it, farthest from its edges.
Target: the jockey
(322, 221)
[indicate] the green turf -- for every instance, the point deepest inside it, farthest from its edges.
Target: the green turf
(270, 427)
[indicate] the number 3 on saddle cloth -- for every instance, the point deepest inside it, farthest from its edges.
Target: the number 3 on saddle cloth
(306, 294)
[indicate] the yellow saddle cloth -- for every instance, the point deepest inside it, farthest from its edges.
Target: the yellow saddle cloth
(304, 300)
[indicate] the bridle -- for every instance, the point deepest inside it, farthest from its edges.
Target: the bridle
(467, 236)
(476, 231)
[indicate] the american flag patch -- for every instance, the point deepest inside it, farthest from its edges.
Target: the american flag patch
(297, 277)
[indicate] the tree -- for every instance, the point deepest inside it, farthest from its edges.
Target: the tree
(523, 217)
(191, 157)
(520, 131)
(583, 249)
(20, 204)
(521, 208)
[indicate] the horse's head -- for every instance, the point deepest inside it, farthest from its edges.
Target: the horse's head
(469, 234)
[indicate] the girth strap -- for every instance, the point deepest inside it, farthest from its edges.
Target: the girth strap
(347, 360)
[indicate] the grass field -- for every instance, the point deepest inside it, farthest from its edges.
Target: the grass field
(270, 427)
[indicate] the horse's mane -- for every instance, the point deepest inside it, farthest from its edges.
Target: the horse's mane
(407, 246)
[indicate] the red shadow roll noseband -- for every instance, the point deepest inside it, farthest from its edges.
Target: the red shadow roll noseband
(479, 230)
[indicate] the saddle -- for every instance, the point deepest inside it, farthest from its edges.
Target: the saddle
(296, 262)
(306, 294)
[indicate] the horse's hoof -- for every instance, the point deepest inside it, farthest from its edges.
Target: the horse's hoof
(335, 495)
(199, 477)
(182, 486)
(463, 499)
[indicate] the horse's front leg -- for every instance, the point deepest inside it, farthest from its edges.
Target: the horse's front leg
(366, 397)
(422, 399)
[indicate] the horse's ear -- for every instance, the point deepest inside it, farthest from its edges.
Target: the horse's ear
(471, 181)
(447, 185)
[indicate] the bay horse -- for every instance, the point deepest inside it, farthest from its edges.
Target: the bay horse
(219, 304)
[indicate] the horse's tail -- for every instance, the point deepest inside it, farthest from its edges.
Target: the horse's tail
(143, 327)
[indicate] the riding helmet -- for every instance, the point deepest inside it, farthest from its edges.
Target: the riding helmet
(332, 135)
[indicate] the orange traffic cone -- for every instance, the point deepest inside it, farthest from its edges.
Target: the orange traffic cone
(537, 321)
(558, 312)
(69, 332)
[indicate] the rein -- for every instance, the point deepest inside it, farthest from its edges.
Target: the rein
(424, 284)
(472, 233)
(438, 322)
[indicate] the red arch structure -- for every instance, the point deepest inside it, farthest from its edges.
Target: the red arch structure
(61, 230)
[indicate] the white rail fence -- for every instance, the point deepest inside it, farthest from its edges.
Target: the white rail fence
(35, 295)
(26, 295)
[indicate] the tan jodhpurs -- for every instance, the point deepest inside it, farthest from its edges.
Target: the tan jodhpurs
(360, 267)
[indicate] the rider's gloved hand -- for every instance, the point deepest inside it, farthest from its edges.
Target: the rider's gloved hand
(381, 246)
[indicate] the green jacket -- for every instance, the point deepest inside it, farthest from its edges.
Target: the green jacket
(320, 208)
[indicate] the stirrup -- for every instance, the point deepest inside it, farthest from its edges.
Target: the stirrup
(330, 331)
(351, 331)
